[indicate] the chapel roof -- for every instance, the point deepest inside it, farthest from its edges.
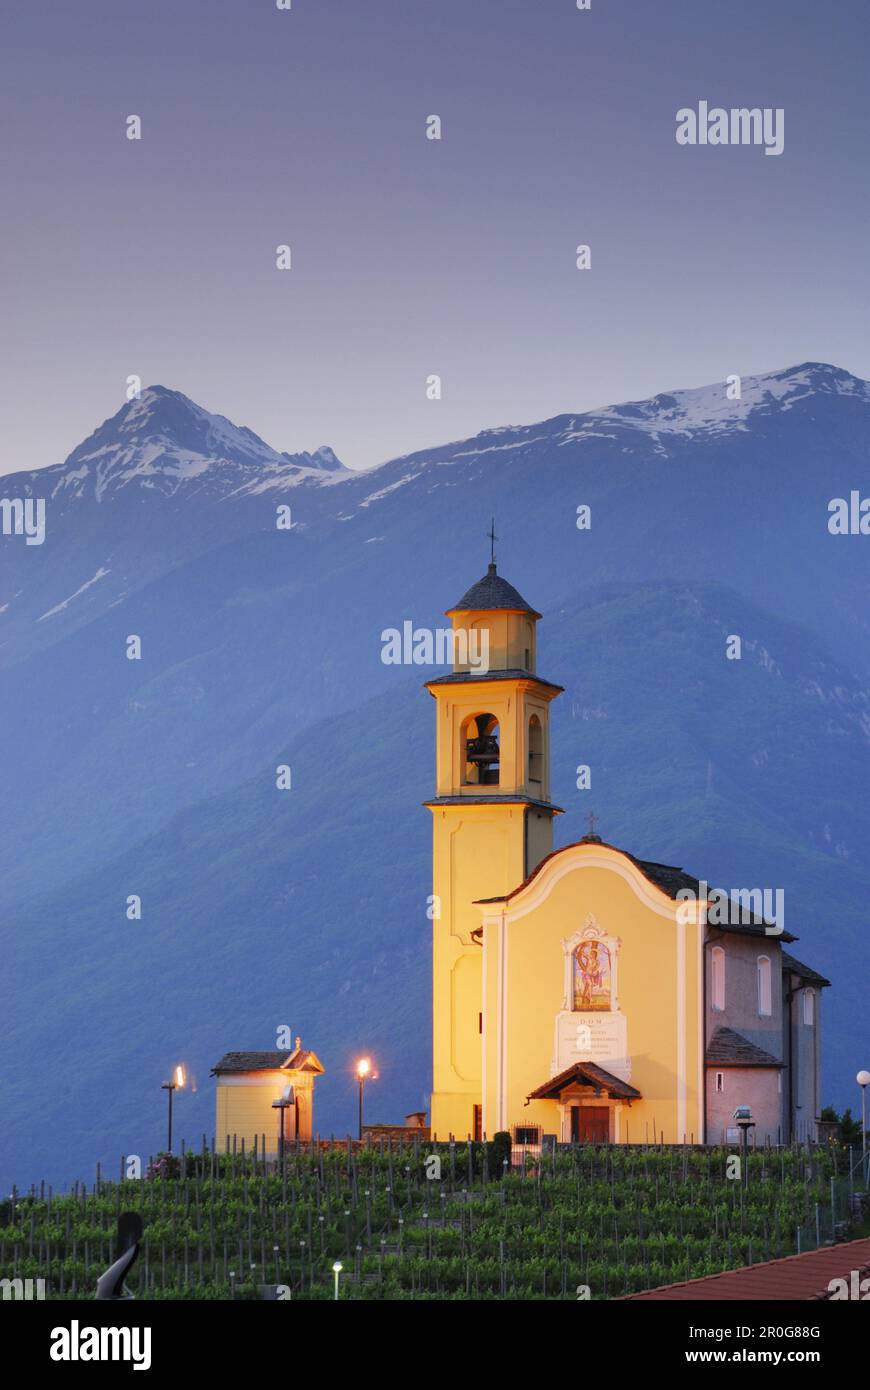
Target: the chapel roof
(300, 1059)
(670, 878)
(492, 591)
(728, 1048)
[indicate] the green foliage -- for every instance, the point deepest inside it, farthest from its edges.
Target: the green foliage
(849, 1132)
(619, 1219)
(850, 1129)
(497, 1151)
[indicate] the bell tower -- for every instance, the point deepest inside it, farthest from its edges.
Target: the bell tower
(492, 820)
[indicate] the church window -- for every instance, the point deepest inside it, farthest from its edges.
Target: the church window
(720, 1082)
(765, 1007)
(477, 1122)
(480, 751)
(536, 751)
(809, 1007)
(717, 957)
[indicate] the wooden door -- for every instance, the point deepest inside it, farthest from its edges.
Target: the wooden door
(590, 1124)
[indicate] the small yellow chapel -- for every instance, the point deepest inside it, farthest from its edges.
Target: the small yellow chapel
(574, 995)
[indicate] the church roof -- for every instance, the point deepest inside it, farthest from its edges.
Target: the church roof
(514, 673)
(669, 877)
(492, 591)
(728, 1048)
(585, 1074)
(508, 799)
(300, 1059)
(797, 967)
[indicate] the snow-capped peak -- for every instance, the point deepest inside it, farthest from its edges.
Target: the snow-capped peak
(163, 441)
(719, 407)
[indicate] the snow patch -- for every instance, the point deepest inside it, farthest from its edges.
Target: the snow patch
(59, 607)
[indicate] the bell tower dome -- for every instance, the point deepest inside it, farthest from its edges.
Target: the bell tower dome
(492, 817)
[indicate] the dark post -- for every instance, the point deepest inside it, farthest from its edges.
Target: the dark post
(169, 1087)
(745, 1122)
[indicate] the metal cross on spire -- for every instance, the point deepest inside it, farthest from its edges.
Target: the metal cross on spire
(590, 821)
(492, 540)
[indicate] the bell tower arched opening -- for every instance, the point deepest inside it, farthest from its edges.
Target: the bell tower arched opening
(480, 744)
(536, 752)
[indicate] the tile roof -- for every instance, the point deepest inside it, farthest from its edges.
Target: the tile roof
(492, 592)
(727, 1048)
(669, 877)
(250, 1061)
(303, 1060)
(797, 1278)
(511, 673)
(507, 800)
(298, 1060)
(586, 1074)
(797, 967)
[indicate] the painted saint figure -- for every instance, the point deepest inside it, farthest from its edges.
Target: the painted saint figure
(591, 977)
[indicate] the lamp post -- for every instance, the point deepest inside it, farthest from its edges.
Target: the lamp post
(863, 1079)
(336, 1269)
(287, 1098)
(169, 1086)
(363, 1070)
(745, 1122)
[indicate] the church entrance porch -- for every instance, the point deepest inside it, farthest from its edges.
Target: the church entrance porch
(590, 1101)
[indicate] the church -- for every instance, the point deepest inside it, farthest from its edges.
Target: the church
(584, 994)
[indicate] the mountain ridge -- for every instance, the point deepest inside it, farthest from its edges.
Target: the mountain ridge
(707, 407)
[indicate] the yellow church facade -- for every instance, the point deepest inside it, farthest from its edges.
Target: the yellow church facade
(576, 994)
(593, 1018)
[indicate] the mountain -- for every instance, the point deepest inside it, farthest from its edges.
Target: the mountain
(262, 645)
(163, 442)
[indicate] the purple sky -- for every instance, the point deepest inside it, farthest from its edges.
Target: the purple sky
(414, 257)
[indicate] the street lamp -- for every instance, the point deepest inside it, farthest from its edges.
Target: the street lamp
(363, 1073)
(336, 1269)
(745, 1122)
(287, 1098)
(863, 1079)
(169, 1086)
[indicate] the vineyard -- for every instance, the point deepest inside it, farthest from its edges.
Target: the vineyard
(428, 1221)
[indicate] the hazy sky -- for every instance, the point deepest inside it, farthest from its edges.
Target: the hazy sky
(412, 256)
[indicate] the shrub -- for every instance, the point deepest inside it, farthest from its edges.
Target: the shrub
(497, 1150)
(165, 1165)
